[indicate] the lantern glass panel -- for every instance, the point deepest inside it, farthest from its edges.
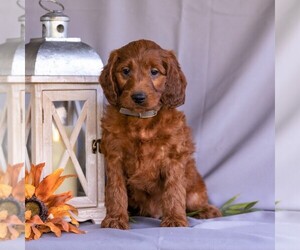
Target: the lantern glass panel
(3, 131)
(68, 144)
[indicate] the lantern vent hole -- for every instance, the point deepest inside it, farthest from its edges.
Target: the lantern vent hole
(60, 28)
(44, 30)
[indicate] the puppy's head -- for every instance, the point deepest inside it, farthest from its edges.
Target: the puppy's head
(142, 76)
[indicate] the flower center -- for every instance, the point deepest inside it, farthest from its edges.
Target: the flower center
(37, 207)
(11, 206)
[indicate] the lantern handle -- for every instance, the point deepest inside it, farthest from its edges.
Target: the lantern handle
(53, 1)
(21, 5)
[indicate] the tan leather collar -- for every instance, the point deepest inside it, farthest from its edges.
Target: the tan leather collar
(143, 115)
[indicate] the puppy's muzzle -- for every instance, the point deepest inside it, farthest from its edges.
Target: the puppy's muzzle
(139, 97)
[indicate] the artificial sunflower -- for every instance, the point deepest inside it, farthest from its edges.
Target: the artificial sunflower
(11, 203)
(46, 211)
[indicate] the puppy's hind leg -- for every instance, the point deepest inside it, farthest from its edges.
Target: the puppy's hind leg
(197, 201)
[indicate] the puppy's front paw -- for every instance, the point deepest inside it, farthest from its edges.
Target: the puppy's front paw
(174, 222)
(207, 212)
(117, 223)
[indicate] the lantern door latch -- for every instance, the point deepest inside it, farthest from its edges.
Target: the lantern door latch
(96, 146)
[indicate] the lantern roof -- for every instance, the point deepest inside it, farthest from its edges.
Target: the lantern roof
(54, 54)
(12, 54)
(61, 56)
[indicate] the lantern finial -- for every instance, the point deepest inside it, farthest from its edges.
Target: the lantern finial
(21, 18)
(52, 1)
(55, 22)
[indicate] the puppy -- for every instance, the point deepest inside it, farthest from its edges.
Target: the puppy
(146, 142)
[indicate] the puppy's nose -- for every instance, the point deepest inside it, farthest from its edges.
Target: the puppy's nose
(139, 97)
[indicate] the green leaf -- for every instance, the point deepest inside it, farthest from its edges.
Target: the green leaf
(230, 212)
(243, 206)
(229, 202)
(228, 208)
(193, 213)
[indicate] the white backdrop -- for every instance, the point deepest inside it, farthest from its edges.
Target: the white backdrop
(226, 49)
(287, 104)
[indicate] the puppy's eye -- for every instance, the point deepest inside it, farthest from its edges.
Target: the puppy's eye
(154, 72)
(126, 71)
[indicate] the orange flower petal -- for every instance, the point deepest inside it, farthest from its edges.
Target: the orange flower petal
(3, 230)
(27, 230)
(13, 233)
(54, 228)
(62, 210)
(60, 181)
(74, 221)
(76, 230)
(29, 190)
(28, 215)
(59, 199)
(5, 178)
(44, 189)
(14, 172)
(65, 225)
(37, 233)
(5, 190)
(37, 172)
(62, 224)
(44, 229)
(18, 191)
(3, 215)
(14, 220)
(28, 177)
(36, 220)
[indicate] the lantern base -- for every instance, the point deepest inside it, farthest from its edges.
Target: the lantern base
(96, 215)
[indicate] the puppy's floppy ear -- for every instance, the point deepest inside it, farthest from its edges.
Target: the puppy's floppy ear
(174, 93)
(108, 81)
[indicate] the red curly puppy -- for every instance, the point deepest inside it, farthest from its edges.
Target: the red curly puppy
(146, 142)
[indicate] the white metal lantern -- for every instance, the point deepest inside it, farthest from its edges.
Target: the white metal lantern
(64, 108)
(12, 87)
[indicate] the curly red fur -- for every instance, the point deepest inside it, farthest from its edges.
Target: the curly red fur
(150, 166)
